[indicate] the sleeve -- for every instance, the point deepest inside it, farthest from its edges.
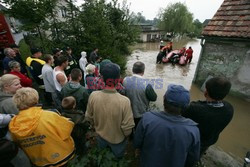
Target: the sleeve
(37, 68)
(27, 82)
(5, 65)
(63, 127)
(49, 75)
(81, 64)
(194, 152)
(188, 112)
(128, 120)
(150, 93)
(89, 112)
(139, 135)
(4, 120)
(84, 101)
(9, 107)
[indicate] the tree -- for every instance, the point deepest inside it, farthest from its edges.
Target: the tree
(32, 13)
(176, 19)
(197, 27)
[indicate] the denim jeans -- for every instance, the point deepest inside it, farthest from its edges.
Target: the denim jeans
(117, 149)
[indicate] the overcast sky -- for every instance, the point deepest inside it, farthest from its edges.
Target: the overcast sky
(201, 9)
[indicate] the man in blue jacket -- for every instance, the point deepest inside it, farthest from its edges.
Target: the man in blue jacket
(166, 139)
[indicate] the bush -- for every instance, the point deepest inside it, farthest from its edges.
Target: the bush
(97, 157)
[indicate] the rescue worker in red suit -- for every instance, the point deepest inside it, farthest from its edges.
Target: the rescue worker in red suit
(182, 51)
(189, 54)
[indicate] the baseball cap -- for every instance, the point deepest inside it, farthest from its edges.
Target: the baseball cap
(110, 71)
(177, 95)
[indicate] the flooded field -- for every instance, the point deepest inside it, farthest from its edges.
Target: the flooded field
(235, 139)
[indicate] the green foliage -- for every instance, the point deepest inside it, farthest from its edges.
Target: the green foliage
(140, 19)
(101, 158)
(197, 27)
(176, 19)
(98, 24)
(24, 49)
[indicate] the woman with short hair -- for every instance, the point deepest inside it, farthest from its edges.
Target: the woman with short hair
(9, 84)
(15, 69)
(43, 135)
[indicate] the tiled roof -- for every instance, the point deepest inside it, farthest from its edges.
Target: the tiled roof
(231, 20)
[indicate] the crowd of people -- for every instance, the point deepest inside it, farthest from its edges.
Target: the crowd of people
(89, 95)
(167, 54)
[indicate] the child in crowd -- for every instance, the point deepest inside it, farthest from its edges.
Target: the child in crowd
(91, 79)
(80, 128)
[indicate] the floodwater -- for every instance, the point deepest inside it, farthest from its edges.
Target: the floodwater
(235, 139)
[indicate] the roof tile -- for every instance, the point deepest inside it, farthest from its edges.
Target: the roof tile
(231, 20)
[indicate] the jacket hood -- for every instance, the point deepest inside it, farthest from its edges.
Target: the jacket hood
(71, 87)
(173, 118)
(4, 96)
(83, 54)
(25, 122)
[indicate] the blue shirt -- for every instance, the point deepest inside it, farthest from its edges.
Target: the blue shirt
(6, 61)
(167, 140)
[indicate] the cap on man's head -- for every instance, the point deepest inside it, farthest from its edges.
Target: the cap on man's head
(35, 50)
(110, 71)
(177, 95)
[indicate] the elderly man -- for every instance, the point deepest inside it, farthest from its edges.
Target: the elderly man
(110, 113)
(166, 139)
(9, 56)
(138, 91)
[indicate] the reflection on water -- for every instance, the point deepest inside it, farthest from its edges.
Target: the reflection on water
(235, 139)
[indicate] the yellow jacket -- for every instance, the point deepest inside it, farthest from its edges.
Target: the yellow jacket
(44, 136)
(30, 59)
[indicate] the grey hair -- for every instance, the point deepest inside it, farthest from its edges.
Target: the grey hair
(7, 51)
(13, 64)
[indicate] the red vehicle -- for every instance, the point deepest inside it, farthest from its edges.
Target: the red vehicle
(6, 38)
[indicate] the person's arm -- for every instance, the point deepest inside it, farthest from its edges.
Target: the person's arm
(150, 93)
(26, 81)
(62, 125)
(84, 101)
(193, 155)
(61, 79)
(49, 77)
(139, 135)
(81, 64)
(89, 111)
(4, 120)
(128, 120)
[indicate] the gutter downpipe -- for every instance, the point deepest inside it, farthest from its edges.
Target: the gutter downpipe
(202, 43)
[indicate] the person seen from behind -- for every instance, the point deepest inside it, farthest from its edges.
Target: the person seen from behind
(138, 92)
(165, 138)
(81, 126)
(189, 55)
(43, 135)
(110, 113)
(212, 114)
(75, 89)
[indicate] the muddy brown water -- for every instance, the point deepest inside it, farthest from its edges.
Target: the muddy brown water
(235, 139)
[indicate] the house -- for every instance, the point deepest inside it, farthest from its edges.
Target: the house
(150, 33)
(226, 47)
